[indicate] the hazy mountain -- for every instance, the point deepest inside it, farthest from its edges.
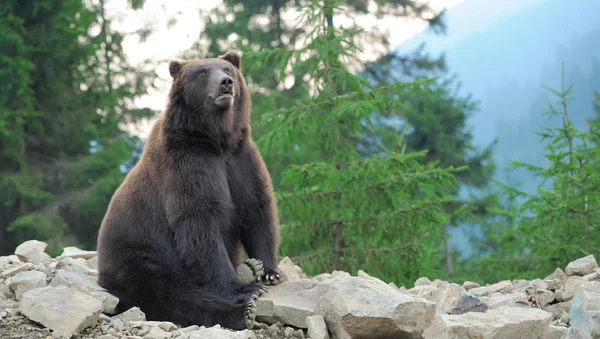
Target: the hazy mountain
(503, 53)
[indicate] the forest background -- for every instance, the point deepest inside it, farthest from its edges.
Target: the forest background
(399, 152)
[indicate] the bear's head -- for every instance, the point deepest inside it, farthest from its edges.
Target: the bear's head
(209, 90)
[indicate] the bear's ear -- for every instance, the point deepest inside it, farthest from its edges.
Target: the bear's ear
(233, 57)
(174, 67)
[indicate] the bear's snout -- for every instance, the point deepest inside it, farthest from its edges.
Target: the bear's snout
(226, 84)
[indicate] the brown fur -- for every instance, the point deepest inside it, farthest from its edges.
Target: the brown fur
(174, 230)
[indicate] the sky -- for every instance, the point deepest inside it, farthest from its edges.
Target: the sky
(167, 42)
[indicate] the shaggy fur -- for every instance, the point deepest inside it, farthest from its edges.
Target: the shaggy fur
(174, 230)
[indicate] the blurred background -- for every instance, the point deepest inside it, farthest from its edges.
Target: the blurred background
(81, 82)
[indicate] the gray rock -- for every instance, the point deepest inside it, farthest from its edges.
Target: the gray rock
(502, 287)
(16, 270)
(86, 284)
(290, 302)
(288, 271)
(218, 332)
(454, 299)
(567, 292)
(75, 253)
(558, 308)
(585, 309)
(469, 285)
(503, 322)
(582, 266)
(422, 281)
(515, 299)
(62, 309)
(130, 316)
(25, 281)
(157, 333)
(576, 333)
(354, 308)
(556, 332)
(32, 251)
(317, 329)
(8, 260)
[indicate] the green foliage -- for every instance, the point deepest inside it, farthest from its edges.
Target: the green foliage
(66, 93)
(542, 231)
(346, 211)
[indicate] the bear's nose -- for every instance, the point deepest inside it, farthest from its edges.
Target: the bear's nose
(226, 83)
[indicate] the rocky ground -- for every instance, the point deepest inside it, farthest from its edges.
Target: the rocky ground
(44, 297)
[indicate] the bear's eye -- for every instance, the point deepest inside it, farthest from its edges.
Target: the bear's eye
(203, 71)
(228, 71)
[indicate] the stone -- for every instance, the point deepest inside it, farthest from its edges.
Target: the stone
(422, 281)
(454, 299)
(290, 302)
(287, 270)
(32, 251)
(585, 308)
(469, 285)
(130, 316)
(502, 287)
(157, 333)
(77, 265)
(515, 299)
(428, 292)
(567, 292)
(354, 307)
(298, 334)
(76, 253)
(558, 308)
(9, 260)
(543, 297)
(89, 285)
(582, 266)
(323, 277)
(25, 281)
(288, 332)
(503, 322)
(62, 309)
(218, 332)
(16, 270)
(576, 333)
(556, 332)
(317, 329)
(594, 276)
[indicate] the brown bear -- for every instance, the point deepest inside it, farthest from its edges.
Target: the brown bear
(174, 231)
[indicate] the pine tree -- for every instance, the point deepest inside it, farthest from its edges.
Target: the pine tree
(558, 224)
(344, 211)
(67, 92)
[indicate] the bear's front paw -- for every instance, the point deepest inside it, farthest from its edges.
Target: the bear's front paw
(251, 270)
(250, 313)
(271, 277)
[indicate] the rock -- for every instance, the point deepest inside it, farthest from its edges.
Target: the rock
(76, 253)
(288, 332)
(356, 307)
(585, 309)
(290, 302)
(9, 260)
(568, 290)
(157, 333)
(298, 334)
(515, 299)
(62, 309)
(582, 266)
(454, 299)
(287, 270)
(469, 285)
(558, 308)
(32, 251)
(502, 287)
(218, 332)
(317, 329)
(594, 276)
(556, 332)
(503, 322)
(130, 316)
(25, 281)
(16, 270)
(323, 277)
(428, 292)
(422, 281)
(576, 333)
(77, 265)
(542, 298)
(89, 285)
